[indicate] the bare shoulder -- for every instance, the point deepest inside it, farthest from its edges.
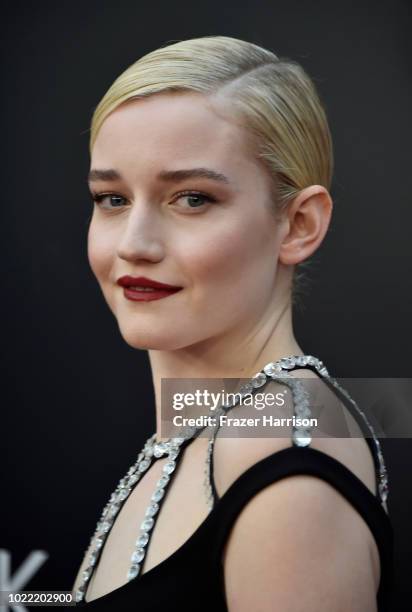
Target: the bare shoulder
(309, 548)
(318, 546)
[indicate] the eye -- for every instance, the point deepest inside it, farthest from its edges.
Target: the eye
(108, 200)
(194, 199)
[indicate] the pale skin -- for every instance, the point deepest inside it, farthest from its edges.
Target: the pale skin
(234, 261)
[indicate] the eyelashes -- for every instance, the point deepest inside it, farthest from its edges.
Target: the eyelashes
(116, 200)
(98, 198)
(196, 194)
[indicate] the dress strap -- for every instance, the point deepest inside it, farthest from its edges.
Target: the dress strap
(279, 370)
(292, 461)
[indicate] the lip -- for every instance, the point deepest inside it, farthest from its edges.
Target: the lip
(159, 290)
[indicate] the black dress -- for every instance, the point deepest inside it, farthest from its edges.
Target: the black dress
(192, 577)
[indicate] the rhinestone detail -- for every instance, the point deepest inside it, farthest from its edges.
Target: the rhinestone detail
(151, 451)
(301, 437)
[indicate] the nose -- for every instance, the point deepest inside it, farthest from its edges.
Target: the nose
(141, 235)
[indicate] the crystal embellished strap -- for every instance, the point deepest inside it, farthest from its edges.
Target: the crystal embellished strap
(301, 436)
(151, 451)
(296, 361)
(274, 371)
(172, 448)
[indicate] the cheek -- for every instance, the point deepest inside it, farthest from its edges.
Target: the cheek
(100, 252)
(230, 261)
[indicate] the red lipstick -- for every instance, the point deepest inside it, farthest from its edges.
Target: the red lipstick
(142, 289)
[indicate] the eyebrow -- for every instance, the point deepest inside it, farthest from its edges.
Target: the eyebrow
(165, 175)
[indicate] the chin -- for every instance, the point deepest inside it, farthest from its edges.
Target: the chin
(157, 340)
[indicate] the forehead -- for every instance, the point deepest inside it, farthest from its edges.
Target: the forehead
(179, 128)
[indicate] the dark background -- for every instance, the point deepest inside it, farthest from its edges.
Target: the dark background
(77, 400)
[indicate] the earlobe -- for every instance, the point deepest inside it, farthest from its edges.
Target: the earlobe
(309, 216)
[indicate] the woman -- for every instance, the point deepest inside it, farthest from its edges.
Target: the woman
(211, 161)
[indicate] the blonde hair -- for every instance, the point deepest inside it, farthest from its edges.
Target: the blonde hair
(274, 98)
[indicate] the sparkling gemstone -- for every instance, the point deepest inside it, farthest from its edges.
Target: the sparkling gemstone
(133, 571)
(93, 558)
(258, 380)
(133, 479)
(163, 480)
(246, 389)
(105, 526)
(298, 393)
(140, 456)
(384, 489)
(282, 374)
(138, 555)
(131, 470)
(312, 360)
(149, 452)
(301, 360)
(147, 524)
(158, 494)
(303, 412)
(177, 441)
(104, 513)
(80, 593)
(271, 368)
(122, 494)
(169, 467)
(142, 540)
(288, 363)
(113, 511)
(159, 449)
(301, 437)
(300, 396)
(87, 573)
(152, 509)
(143, 465)
(98, 543)
(173, 454)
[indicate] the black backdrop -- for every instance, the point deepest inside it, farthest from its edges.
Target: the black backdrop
(77, 400)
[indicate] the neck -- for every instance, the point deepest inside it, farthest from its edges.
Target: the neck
(240, 353)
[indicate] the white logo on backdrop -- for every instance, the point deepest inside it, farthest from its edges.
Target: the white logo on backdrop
(21, 576)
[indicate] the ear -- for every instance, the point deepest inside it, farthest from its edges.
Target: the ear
(306, 222)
